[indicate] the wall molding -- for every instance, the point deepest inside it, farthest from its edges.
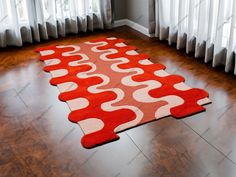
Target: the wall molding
(133, 25)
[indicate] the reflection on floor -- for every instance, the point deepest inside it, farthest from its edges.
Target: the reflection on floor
(36, 139)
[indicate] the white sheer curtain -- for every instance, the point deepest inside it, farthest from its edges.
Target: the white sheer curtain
(205, 27)
(32, 20)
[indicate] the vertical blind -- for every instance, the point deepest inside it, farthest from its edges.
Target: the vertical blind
(29, 20)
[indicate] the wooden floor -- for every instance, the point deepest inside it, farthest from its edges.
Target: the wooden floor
(36, 139)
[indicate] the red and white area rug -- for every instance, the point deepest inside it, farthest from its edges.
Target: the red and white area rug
(109, 87)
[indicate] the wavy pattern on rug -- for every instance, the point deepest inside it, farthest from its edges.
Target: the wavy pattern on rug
(109, 88)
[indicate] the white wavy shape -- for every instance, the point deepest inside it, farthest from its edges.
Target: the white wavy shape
(98, 44)
(115, 68)
(108, 107)
(132, 52)
(84, 74)
(161, 73)
(78, 103)
(69, 53)
(77, 62)
(59, 72)
(67, 86)
(94, 88)
(121, 44)
(74, 52)
(111, 38)
(46, 52)
(145, 62)
(53, 61)
(91, 125)
(142, 95)
(203, 101)
(172, 100)
(181, 86)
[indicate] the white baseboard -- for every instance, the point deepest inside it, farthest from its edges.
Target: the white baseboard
(132, 25)
(118, 23)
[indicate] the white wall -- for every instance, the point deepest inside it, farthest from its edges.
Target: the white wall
(134, 10)
(119, 8)
(137, 11)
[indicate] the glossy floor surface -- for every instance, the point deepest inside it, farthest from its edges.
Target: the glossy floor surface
(36, 138)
